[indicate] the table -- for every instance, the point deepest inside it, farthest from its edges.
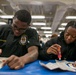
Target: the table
(33, 68)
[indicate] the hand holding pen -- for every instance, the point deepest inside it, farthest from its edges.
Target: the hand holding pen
(55, 49)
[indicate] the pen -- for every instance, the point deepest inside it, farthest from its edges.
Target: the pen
(59, 53)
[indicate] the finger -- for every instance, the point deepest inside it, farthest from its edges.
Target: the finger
(17, 65)
(52, 50)
(4, 61)
(56, 45)
(59, 50)
(8, 60)
(13, 65)
(13, 62)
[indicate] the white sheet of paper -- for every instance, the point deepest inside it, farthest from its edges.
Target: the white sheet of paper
(52, 66)
(49, 65)
(59, 64)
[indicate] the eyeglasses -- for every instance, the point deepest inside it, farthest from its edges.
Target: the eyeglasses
(19, 29)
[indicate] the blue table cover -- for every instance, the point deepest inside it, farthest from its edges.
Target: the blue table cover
(34, 68)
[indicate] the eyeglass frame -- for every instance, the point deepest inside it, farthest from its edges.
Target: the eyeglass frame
(19, 29)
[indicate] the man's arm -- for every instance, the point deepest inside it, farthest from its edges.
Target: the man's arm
(15, 62)
(31, 56)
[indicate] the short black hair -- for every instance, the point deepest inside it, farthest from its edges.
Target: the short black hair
(71, 24)
(23, 15)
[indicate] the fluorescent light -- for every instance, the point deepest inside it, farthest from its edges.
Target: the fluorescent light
(47, 31)
(71, 17)
(64, 24)
(45, 27)
(39, 23)
(33, 27)
(33, 17)
(6, 16)
(61, 28)
(2, 23)
(38, 17)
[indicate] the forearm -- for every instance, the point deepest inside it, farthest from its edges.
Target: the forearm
(30, 56)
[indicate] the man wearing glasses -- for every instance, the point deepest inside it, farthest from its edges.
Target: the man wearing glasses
(18, 42)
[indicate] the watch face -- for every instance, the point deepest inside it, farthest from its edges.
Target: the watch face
(23, 40)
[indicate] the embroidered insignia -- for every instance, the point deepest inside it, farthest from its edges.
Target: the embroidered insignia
(23, 40)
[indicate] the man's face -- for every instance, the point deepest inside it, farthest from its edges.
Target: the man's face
(19, 27)
(70, 35)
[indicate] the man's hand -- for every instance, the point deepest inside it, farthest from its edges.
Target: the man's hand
(14, 62)
(53, 49)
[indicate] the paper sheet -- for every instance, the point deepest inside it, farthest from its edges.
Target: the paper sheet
(63, 65)
(50, 65)
(2, 59)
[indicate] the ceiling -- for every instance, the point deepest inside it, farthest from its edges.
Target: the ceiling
(54, 11)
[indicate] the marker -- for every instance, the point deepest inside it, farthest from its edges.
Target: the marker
(59, 53)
